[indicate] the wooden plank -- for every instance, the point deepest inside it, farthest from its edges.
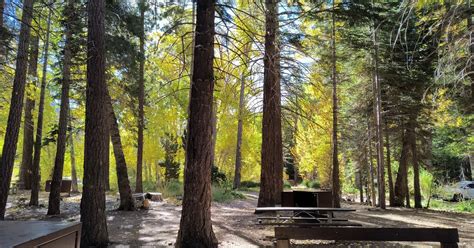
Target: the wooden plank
(306, 224)
(279, 209)
(443, 235)
(299, 218)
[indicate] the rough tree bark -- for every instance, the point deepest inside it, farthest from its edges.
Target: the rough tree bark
(401, 180)
(470, 28)
(126, 199)
(141, 101)
(195, 227)
(54, 194)
(35, 170)
(378, 122)
(72, 154)
(416, 165)
(371, 165)
(336, 188)
(16, 106)
(271, 177)
(389, 167)
(240, 124)
(28, 123)
(96, 146)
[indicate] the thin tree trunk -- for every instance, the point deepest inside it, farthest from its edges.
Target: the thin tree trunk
(378, 123)
(240, 124)
(371, 165)
(336, 188)
(96, 146)
(35, 175)
(141, 100)
(361, 183)
(16, 107)
(126, 200)
(54, 195)
(107, 166)
(271, 177)
(195, 227)
(72, 154)
(29, 126)
(401, 180)
(389, 167)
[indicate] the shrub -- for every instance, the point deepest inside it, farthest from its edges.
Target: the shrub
(223, 192)
(217, 176)
(171, 188)
(249, 184)
(311, 184)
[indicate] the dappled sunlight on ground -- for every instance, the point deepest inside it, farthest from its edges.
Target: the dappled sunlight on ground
(234, 223)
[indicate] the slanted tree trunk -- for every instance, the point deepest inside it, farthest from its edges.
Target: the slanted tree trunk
(240, 124)
(401, 180)
(271, 177)
(96, 146)
(378, 123)
(389, 167)
(54, 195)
(126, 199)
(72, 154)
(336, 188)
(195, 228)
(141, 101)
(16, 107)
(371, 165)
(29, 126)
(35, 171)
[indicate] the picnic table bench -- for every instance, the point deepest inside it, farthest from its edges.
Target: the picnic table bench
(304, 216)
(448, 237)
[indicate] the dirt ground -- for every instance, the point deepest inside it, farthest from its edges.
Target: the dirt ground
(234, 223)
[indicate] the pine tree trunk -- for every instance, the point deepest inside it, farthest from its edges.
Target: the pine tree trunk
(371, 165)
(29, 126)
(336, 188)
(195, 227)
(126, 199)
(271, 177)
(416, 166)
(389, 167)
(96, 146)
(401, 180)
(35, 171)
(54, 195)
(240, 124)
(2, 9)
(470, 28)
(16, 106)
(107, 165)
(72, 154)
(378, 124)
(141, 101)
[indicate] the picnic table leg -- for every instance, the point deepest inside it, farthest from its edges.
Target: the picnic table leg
(449, 245)
(283, 243)
(330, 217)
